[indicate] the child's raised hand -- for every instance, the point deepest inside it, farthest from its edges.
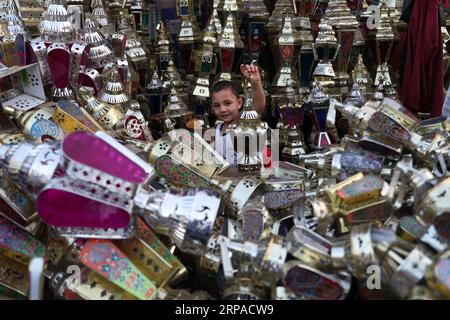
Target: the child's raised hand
(250, 72)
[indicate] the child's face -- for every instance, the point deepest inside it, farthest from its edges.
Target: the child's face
(226, 105)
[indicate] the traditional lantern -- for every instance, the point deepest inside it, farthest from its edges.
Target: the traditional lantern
(287, 45)
(230, 47)
(189, 32)
(325, 50)
(345, 26)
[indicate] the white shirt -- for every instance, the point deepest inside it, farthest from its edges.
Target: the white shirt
(224, 145)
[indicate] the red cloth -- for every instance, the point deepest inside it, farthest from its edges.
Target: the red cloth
(423, 79)
(267, 157)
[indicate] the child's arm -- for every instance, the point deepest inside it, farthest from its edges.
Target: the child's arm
(251, 72)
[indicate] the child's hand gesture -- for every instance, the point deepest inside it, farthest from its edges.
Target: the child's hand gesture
(251, 72)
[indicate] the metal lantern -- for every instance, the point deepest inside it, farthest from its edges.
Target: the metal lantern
(235, 7)
(361, 76)
(76, 9)
(325, 49)
(15, 23)
(57, 25)
(205, 67)
(248, 159)
(382, 42)
(31, 12)
(318, 106)
(98, 12)
(345, 26)
(230, 47)
(135, 48)
(113, 92)
(287, 45)
(100, 52)
(162, 45)
(292, 120)
(306, 57)
(189, 32)
(282, 9)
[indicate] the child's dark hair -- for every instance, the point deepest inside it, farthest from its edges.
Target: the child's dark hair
(225, 84)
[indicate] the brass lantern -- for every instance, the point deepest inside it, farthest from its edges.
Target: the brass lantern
(274, 26)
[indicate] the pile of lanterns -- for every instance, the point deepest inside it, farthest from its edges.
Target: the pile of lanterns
(105, 166)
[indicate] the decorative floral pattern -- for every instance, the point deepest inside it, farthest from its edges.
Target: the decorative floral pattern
(311, 285)
(134, 129)
(16, 239)
(281, 198)
(386, 126)
(152, 240)
(105, 258)
(443, 271)
(253, 225)
(360, 188)
(355, 162)
(178, 174)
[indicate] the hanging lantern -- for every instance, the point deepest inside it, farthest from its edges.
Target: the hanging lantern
(325, 49)
(189, 32)
(15, 23)
(382, 42)
(113, 92)
(361, 76)
(162, 49)
(306, 57)
(230, 48)
(345, 26)
(287, 45)
(57, 25)
(100, 52)
(205, 66)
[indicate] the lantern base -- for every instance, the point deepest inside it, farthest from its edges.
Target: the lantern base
(249, 164)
